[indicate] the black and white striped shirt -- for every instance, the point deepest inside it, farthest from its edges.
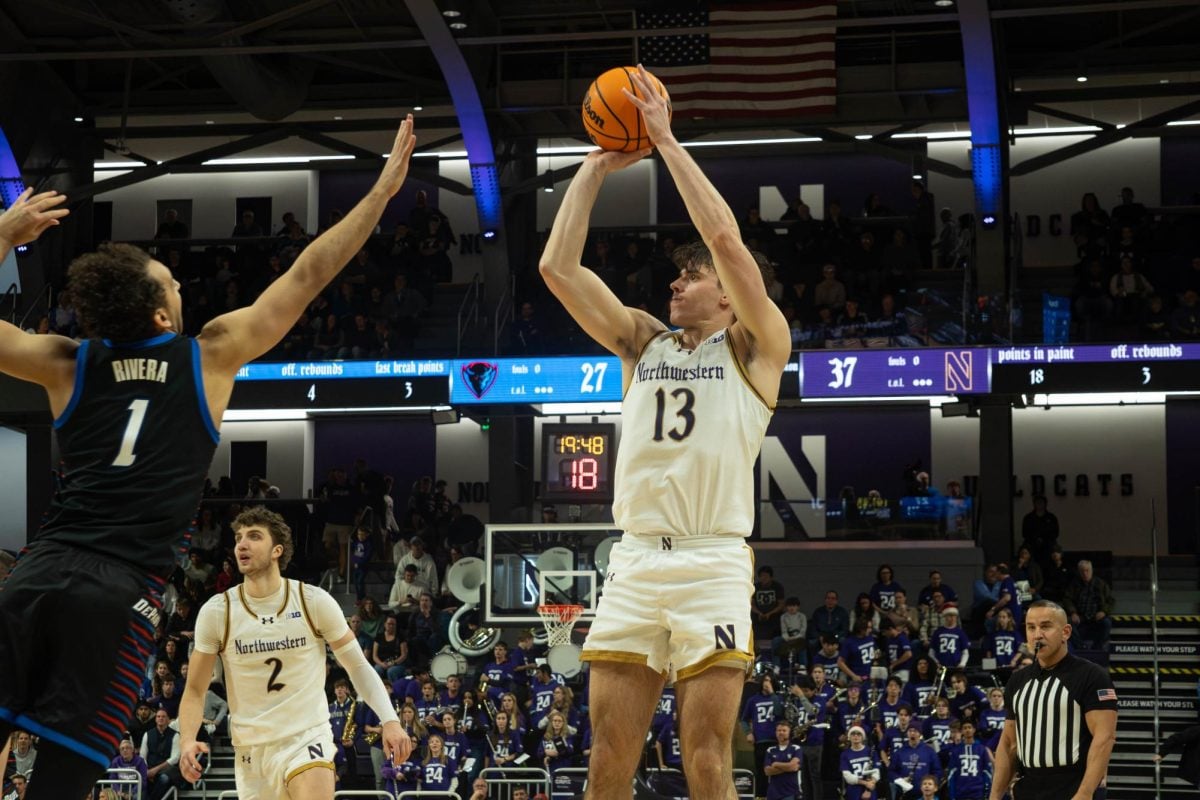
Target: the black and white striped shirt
(1049, 706)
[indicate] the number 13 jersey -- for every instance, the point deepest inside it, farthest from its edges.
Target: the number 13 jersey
(273, 651)
(691, 429)
(136, 442)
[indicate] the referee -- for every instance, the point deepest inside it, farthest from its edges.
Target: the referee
(1062, 718)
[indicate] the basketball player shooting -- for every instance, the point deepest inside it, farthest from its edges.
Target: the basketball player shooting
(697, 403)
(270, 634)
(136, 408)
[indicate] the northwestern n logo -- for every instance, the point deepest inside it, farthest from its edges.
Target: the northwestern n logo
(725, 638)
(479, 377)
(958, 371)
(315, 751)
(791, 488)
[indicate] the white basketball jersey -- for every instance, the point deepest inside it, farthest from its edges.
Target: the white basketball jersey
(691, 429)
(274, 660)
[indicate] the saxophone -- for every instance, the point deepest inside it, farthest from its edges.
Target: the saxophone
(351, 728)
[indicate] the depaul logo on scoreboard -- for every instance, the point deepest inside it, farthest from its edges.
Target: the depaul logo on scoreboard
(478, 377)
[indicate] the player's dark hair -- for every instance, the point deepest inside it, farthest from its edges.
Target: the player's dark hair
(114, 295)
(696, 256)
(281, 534)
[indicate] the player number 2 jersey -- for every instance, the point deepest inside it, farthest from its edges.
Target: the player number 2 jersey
(691, 429)
(273, 650)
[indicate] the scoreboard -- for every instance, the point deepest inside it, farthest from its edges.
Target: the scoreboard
(810, 374)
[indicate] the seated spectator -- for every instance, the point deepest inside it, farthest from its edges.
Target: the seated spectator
(424, 634)
(1005, 641)
(1026, 570)
(1008, 598)
(852, 322)
(197, 568)
(426, 567)
(768, 604)
(1089, 602)
(1185, 320)
(918, 692)
(361, 341)
(857, 653)
(969, 762)
(932, 616)
(830, 291)
(327, 343)
(883, 592)
(143, 720)
(389, 653)
(160, 751)
(407, 591)
(949, 644)
(864, 609)
(890, 322)
(937, 726)
(829, 618)
(906, 618)
(935, 584)
(129, 759)
(23, 754)
(968, 701)
(792, 642)
(827, 655)
(1129, 290)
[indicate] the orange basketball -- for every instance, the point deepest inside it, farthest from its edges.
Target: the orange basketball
(611, 121)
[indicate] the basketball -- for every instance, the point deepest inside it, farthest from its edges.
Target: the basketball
(611, 121)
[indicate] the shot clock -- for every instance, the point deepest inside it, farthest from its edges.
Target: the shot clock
(577, 462)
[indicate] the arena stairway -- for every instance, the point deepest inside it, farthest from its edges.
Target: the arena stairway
(1131, 664)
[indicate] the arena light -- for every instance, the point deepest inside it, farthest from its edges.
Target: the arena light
(754, 142)
(287, 414)
(267, 160)
(1183, 122)
(1100, 399)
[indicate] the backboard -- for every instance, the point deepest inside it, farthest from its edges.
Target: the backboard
(527, 565)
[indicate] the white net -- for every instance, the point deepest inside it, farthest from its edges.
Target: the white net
(559, 621)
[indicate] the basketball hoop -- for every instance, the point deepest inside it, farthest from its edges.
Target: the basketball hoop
(559, 621)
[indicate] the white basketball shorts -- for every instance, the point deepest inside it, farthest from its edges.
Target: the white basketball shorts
(262, 771)
(675, 603)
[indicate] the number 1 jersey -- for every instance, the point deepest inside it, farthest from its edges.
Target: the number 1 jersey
(273, 651)
(691, 430)
(136, 442)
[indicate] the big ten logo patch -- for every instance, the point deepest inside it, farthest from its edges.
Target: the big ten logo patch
(791, 488)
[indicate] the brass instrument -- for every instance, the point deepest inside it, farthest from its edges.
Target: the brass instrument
(938, 686)
(351, 728)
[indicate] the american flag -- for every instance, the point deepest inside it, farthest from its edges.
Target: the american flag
(1106, 694)
(782, 70)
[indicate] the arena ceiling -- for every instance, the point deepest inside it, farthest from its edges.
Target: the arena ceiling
(144, 72)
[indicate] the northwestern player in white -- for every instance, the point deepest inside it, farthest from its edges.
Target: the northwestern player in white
(697, 403)
(270, 634)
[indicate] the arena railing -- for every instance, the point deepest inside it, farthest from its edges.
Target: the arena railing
(124, 777)
(507, 777)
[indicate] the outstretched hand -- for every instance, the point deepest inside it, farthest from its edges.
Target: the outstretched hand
(393, 174)
(31, 214)
(656, 111)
